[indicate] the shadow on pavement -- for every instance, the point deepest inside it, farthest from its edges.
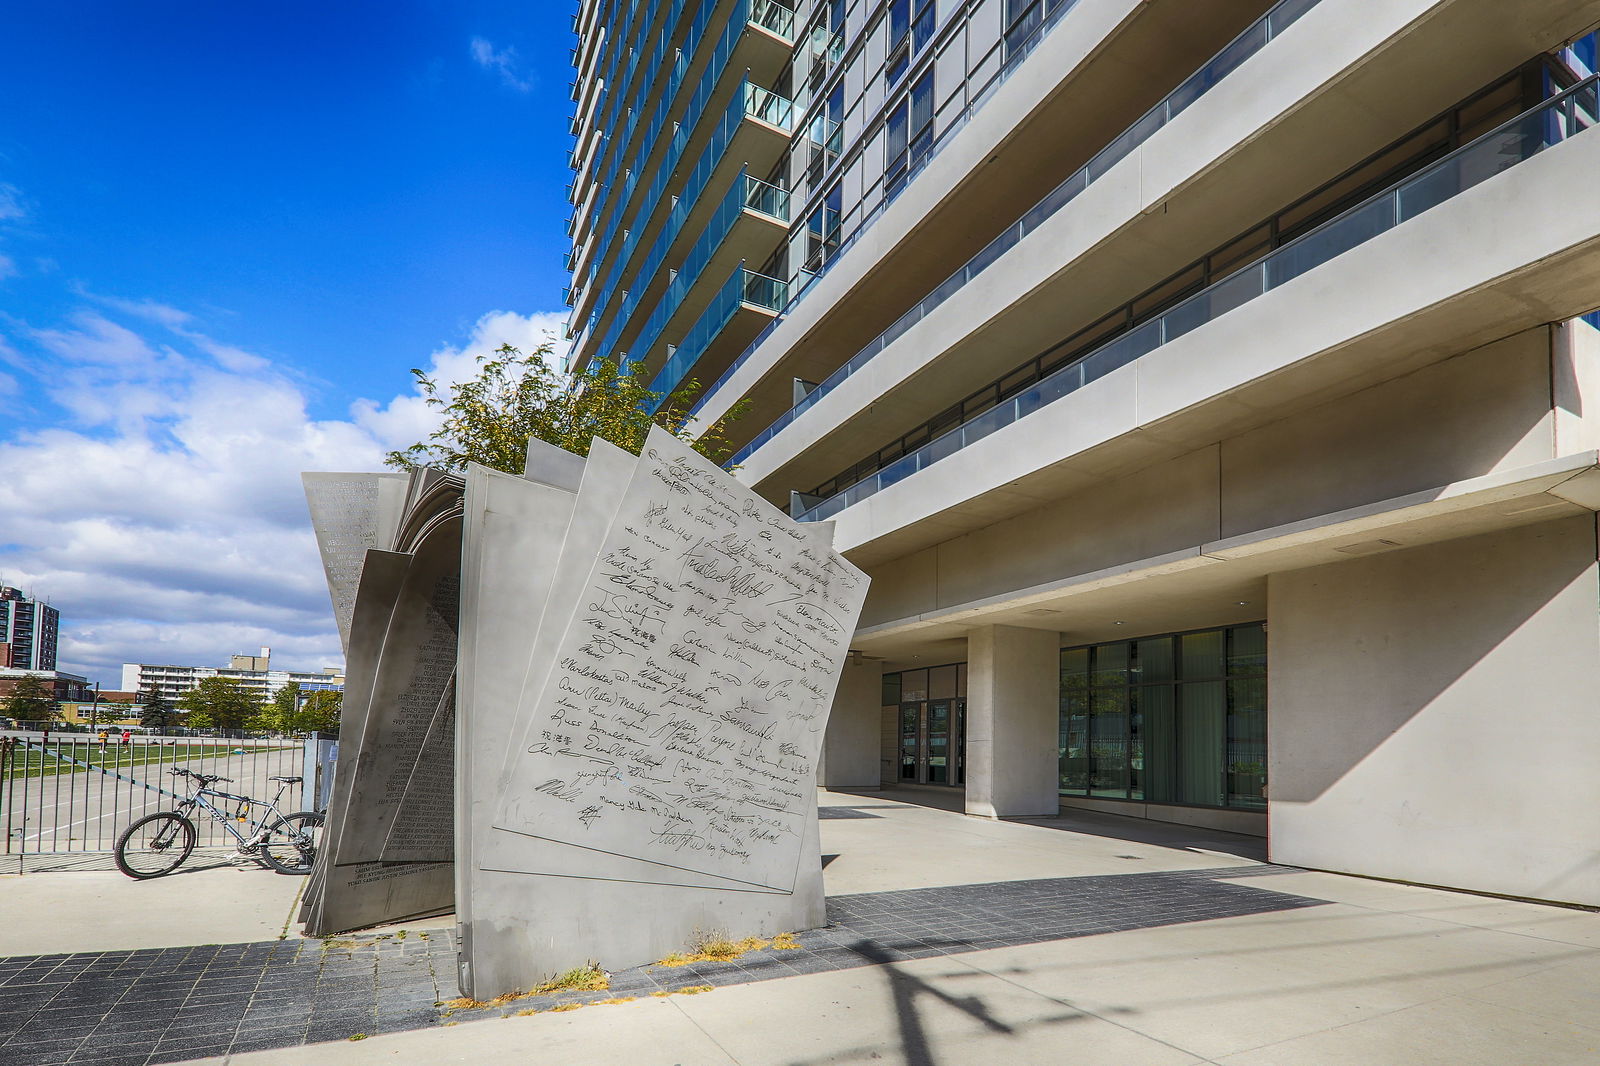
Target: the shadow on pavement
(1088, 823)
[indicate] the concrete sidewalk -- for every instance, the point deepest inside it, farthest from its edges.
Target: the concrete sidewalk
(1091, 939)
(206, 901)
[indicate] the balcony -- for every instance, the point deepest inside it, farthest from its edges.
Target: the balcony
(1329, 104)
(753, 133)
(1500, 238)
(748, 223)
(1264, 30)
(752, 43)
(1034, 131)
(744, 304)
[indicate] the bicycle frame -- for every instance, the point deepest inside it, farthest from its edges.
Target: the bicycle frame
(198, 799)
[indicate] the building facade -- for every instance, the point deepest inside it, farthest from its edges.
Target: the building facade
(1204, 384)
(62, 686)
(254, 672)
(29, 631)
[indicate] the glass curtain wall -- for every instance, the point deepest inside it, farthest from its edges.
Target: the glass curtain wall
(1178, 719)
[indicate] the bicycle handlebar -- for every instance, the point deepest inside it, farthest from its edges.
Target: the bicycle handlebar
(204, 779)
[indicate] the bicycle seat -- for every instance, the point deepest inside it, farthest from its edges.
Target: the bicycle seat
(286, 780)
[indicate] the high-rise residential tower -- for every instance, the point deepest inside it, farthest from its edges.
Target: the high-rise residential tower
(29, 631)
(1203, 383)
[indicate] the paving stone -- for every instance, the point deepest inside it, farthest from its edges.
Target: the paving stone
(264, 1039)
(115, 1054)
(210, 1000)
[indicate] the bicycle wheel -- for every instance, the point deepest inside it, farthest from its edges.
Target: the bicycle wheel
(291, 843)
(154, 845)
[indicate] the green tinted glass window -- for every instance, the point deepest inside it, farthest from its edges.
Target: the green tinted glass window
(1247, 650)
(1178, 719)
(1202, 654)
(1111, 664)
(1247, 743)
(1152, 660)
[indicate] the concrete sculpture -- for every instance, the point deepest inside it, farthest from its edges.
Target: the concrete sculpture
(645, 656)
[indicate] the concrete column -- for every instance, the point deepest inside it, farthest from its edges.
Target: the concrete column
(1013, 700)
(850, 746)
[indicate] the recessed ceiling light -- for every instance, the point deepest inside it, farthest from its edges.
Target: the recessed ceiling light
(1244, 603)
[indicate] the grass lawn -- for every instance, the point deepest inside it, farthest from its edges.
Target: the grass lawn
(31, 762)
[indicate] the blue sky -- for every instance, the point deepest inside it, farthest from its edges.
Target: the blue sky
(226, 233)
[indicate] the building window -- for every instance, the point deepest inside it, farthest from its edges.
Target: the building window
(1023, 19)
(911, 24)
(827, 44)
(825, 135)
(1178, 719)
(822, 230)
(909, 134)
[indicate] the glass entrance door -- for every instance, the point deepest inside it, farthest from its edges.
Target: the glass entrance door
(933, 742)
(910, 741)
(937, 730)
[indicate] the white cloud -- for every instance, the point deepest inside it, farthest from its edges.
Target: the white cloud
(504, 62)
(8, 267)
(11, 203)
(407, 419)
(163, 513)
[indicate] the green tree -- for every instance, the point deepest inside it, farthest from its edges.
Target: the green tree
(515, 397)
(220, 703)
(320, 714)
(157, 713)
(31, 700)
(282, 712)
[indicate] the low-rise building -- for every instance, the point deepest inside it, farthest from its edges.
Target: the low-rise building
(62, 686)
(254, 672)
(103, 712)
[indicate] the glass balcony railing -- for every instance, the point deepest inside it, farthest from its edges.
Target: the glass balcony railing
(774, 17)
(1551, 123)
(768, 106)
(1241, 48)
(766, 198)
(747, 193)
(1264, 29)
(669, 78)
(617, 196)
(694, 186)
(743, 287)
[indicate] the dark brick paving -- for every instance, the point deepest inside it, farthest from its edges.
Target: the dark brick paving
(132, 1008)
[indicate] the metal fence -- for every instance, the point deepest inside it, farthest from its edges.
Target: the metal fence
(73, 793)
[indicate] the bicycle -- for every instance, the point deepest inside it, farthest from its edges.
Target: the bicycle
(158, 844)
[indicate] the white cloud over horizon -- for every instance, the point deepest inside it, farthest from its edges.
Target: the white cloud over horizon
(160, 510)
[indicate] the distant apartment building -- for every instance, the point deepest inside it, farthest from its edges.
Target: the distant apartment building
(28, 631)
(1205, 386)
(254, 672)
